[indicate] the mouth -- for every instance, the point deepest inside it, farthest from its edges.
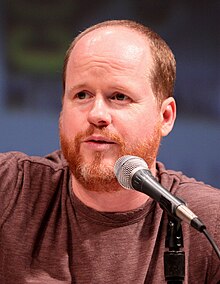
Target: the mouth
(100, 141)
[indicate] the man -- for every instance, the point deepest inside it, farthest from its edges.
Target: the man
(67, 220)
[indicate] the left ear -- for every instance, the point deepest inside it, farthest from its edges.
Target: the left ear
(168, 115)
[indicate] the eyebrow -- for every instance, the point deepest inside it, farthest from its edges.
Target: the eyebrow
(79, 86)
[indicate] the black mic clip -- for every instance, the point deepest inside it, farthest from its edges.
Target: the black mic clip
(174, 258)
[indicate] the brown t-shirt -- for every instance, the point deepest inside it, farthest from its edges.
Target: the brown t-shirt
(48, 236)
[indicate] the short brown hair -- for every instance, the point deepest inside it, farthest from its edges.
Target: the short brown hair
(163, 74)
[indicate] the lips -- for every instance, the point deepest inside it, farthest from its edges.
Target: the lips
(99, 140)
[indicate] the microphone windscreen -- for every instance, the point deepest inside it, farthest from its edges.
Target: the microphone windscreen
(125, 168)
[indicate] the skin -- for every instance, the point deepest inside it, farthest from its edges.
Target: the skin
(107, 86)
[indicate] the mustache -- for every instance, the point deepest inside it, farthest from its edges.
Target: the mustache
(92, 129)
(101, 131)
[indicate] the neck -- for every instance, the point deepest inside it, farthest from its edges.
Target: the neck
(118, 201)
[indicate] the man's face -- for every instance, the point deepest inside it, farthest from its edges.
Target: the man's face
(109, 109)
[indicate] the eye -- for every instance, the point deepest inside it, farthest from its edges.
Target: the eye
(120, 97)
(82, 95)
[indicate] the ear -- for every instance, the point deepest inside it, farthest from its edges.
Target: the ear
(168, 115)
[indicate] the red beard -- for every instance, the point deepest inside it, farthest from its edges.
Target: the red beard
(95, 175)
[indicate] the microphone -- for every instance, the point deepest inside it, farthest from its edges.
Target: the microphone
(132, 172)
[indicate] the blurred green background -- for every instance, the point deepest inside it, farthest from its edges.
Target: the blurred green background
(34, 36)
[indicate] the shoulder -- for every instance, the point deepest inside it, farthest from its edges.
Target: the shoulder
(177, 182)
(195, 193)
(17, 160)
(18, 169)
(201, 198)
(21, 174)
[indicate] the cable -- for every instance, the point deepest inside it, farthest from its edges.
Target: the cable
(212, 242)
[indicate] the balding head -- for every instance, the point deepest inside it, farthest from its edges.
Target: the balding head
(162, 73)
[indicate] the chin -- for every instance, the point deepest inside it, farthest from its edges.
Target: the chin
(103, 158)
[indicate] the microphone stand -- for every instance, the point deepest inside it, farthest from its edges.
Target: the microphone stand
(174, 258)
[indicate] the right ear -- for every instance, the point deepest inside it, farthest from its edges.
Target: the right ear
(168, 115)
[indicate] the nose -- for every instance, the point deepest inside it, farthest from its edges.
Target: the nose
(99, 114)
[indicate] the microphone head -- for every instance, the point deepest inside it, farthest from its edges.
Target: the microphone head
(125, 167)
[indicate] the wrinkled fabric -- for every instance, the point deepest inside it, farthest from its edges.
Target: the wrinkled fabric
(49, 236)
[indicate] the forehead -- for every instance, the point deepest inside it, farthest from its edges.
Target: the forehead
(112, 43)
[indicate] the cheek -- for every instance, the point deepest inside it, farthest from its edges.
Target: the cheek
(70, 123)
(138, 127)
